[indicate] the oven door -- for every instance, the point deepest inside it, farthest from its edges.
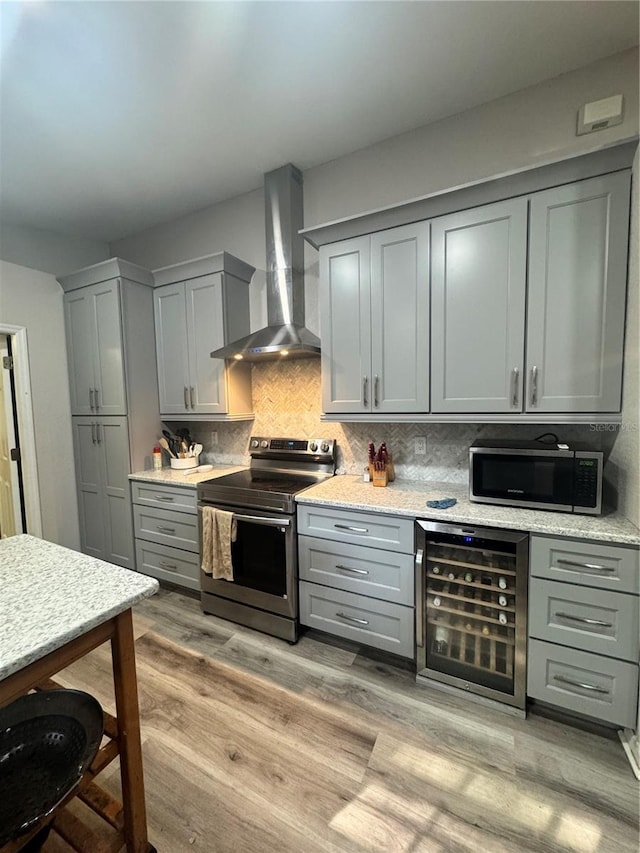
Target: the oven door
(264, 559)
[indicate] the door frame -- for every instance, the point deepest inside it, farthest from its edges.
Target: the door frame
(26, 426)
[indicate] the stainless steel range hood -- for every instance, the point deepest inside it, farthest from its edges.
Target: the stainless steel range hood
(286, 335)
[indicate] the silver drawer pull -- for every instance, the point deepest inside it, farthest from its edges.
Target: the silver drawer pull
(584, 620)
(355, 571)
(352, 529)
(594, 687)
(352, 619)
(594, 567)
(171, 566)
(515, 378)
(164, 498)
(170, 530)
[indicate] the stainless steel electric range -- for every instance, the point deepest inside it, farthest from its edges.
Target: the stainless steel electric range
(264, 592)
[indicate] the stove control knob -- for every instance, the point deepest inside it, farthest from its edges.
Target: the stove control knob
(254, 442)
(313, 447)
(324, 447)
(264, 443)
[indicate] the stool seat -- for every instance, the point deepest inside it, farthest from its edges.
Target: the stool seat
(47, 742)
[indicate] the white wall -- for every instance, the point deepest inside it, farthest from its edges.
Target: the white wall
(533, 126)
(33, 299)
(48, 252)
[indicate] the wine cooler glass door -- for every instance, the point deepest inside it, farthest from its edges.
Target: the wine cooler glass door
(475, 607)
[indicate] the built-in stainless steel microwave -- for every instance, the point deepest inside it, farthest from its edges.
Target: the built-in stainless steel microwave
(562, 477)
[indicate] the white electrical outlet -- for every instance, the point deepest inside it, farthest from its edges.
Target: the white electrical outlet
(420, 445)
(214, 437)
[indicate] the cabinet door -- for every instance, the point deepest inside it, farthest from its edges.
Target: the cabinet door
(478, 304)
(345, 324)
(113, 440)
(171, 348)
(205, 332)
(78, 314)
(576, 304)
(89, 485)
(400, 319)
(110, 397)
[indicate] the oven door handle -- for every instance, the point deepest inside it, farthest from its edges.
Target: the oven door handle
(268, 522)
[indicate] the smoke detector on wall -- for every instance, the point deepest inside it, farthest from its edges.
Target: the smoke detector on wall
(598, 115)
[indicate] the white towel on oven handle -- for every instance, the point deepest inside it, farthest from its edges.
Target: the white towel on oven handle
(219, 530)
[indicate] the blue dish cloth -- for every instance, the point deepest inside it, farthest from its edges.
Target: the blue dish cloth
(443, 504)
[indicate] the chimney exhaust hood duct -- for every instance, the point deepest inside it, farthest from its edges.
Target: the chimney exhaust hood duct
(286, 335)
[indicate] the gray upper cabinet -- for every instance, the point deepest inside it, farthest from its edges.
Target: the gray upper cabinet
(478, 286)
(204, 305)
(94, 346)
(374, 314)
(576, 302)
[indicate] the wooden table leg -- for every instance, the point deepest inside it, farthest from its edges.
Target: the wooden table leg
(126, 693)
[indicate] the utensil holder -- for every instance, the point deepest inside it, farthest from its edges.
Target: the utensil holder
(187, 462)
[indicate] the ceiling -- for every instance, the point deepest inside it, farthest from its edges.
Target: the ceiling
(116, 116)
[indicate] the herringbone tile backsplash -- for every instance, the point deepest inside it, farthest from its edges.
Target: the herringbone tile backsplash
(287, 403)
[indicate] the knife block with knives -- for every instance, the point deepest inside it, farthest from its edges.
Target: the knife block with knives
(381, 469)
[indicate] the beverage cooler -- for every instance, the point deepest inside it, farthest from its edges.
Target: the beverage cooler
(471, 602)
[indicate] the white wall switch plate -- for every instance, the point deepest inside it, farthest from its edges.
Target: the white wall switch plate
(214, 437)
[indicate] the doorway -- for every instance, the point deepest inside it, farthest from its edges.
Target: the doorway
(19, 491)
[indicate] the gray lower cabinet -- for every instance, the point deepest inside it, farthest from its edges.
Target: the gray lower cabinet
(166, 532)
(356, 574)
(584, 618)
(199, 306)
(101, 448)
(374, 313)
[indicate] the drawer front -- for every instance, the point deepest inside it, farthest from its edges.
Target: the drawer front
(596, 564)
(166, 527)
(589, 684)
(358, 528)
(168, 564)
(592, 620)
(366, 571)
(167, 497)
(356, 617)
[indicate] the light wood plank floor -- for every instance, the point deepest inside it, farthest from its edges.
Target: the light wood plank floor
(252, 745)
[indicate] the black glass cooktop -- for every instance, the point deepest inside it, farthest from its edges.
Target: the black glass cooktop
(286, 484)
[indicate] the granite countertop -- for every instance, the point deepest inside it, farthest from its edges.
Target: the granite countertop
(409, 498)
(180, 477)
(51, 595)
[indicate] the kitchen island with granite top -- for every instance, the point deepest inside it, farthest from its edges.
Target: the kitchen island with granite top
(56, 606)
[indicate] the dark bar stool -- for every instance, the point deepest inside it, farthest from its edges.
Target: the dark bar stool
(47, 742)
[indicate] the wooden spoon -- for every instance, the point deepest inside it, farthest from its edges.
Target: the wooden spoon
(164, 443)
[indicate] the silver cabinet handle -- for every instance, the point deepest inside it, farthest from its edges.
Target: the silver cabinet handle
(419, 599)
(515, 382)
(351, 529)
(170, 530)
(351, 618)
(171, 566)
(96, 397)
(98, 434)
(164, 498)
(534, 386)
(376, 391)
(593, 567)
(365, 391)
(92, 404)
(594, 687)
(354, 571)
(584, 620)
(192, 396)
(186, 397)
(93, 432)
